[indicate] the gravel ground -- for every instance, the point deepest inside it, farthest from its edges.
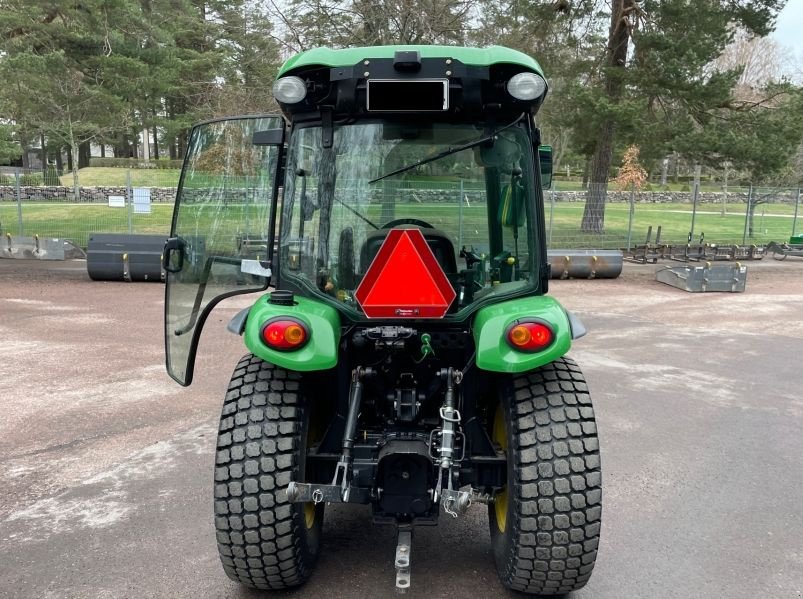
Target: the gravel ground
(106, 476)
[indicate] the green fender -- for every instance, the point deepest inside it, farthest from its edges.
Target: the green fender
(491, 324)
(323, 324)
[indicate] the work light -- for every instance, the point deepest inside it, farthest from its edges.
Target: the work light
(526, 86)
(290, 90)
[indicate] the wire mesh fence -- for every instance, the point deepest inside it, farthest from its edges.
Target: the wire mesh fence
(108, 200)
(743, 215)
(119, 200)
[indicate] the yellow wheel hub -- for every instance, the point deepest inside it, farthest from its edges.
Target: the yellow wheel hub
(309, 514)
(501, 499)
(314, 434)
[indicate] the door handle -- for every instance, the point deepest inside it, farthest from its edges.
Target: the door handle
(172, 244)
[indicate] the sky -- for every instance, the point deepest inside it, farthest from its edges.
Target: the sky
(789, 26)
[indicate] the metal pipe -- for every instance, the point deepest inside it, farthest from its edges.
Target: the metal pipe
(632, 211)
(551, 211)
(460, 215)
(18, 192)
(747, 214)
(585, 264)
(130, 200)
(694, 209)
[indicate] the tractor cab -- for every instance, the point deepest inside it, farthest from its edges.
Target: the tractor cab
(407, 357)
(416, 140)
(437, 140)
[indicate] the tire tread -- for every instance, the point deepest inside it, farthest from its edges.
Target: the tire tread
(258, 533)
(557, 482)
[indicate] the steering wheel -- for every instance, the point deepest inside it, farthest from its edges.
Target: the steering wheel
(407, 221)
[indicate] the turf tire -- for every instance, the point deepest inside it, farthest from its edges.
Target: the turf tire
(264, 541)
(548, 543)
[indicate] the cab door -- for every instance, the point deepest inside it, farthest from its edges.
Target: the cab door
(221, 239)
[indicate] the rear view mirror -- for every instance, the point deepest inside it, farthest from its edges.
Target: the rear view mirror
(545, 161)
(270, 137)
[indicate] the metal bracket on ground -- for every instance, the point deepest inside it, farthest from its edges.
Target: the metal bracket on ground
(39, 248)
(697, 279)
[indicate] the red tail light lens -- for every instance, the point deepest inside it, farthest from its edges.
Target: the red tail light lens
(530, 336)
(285, 334)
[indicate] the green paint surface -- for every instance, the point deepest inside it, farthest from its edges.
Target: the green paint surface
(347, 57)
(490, 326)
(323, 324)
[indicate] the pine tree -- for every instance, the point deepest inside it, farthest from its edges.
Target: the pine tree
(666, 87)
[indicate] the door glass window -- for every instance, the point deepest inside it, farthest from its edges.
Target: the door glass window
(220, 223)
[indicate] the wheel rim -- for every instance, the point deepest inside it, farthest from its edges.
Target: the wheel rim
(314, 435)
(309, 514)
(501, 498)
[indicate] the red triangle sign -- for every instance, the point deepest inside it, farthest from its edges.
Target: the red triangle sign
(405, 280)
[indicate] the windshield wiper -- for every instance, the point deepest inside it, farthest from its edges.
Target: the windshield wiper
(356, 213)
(447, 152)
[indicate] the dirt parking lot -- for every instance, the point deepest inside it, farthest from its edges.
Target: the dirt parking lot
(106, 476)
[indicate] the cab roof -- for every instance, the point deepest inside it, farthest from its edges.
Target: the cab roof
(327, 57)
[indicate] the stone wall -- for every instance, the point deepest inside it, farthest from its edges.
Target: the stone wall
(168, 195)
(88, 194)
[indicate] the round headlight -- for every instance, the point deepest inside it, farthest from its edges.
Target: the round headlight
(290, 90)
(526, 86)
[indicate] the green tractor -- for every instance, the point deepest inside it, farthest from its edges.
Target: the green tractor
(408, 357)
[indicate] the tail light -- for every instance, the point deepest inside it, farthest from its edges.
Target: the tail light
(530, 335)
(285, 334)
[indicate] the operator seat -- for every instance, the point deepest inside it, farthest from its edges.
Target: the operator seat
(438, 241)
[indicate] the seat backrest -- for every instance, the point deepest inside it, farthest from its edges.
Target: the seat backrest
(438, 241)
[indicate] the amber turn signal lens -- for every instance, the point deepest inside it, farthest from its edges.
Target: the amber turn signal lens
(520, 336)
(530, 336)
(284, 334)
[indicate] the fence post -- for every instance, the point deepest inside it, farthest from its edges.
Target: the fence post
(18, 194)
(460, 194)
(797, 209)
(694, 209)
(129, 198)
(551, 212)
(747, 213)
(632, 211)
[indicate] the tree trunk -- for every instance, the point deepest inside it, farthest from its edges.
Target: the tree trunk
(26, 161)
(84, 153)
(69, 158)
(75, 151)
(155, 143)
(103, 149)
(43, 153)
(676, 165)
(594, 212)
(59, 161)
(615, 61)
(182, 144)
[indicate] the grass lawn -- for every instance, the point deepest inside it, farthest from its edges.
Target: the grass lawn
(77, 222)
(772, 222)
(95, 176)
